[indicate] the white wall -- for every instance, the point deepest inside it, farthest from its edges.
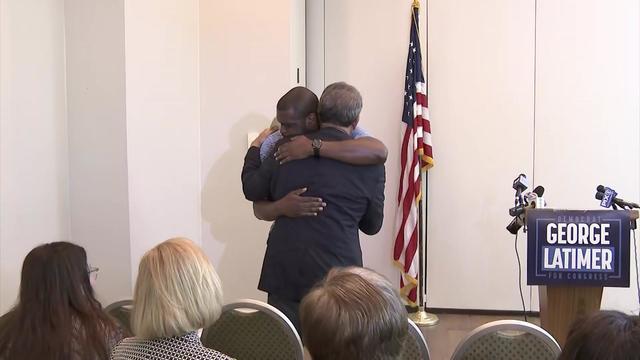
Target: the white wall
(96, 111)
(163, 122)
(33, 136)
(244, 69)
(297, 41)
(588, 108)
(481, 98)
(314, 25)
(134, 131)
(133, 107)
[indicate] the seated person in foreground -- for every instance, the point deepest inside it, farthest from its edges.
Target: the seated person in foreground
(57, 316)
(296, 113)
(353, 314)
(177, 293)
(605, 335)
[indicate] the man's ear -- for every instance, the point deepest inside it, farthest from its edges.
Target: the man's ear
(355, 123)
(311, 122)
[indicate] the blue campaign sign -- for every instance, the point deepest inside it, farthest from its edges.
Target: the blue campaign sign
(570, 247)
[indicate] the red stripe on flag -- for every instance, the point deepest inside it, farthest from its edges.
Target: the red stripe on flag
(409, 203)
(407, 200)
(413, 294)
(403, 159)
(412, 248)
(426, 126)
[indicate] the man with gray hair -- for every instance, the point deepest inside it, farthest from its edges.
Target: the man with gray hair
(301, 251)
(340, 106)
(353, 314)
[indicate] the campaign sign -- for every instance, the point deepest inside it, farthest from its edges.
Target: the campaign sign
(569, 247)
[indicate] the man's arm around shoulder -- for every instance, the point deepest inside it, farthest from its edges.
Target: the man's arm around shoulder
(360, 151)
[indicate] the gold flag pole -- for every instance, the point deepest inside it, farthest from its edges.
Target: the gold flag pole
(421, 317)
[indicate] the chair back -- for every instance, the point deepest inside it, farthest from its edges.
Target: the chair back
(120, 311)
(415, 346)
(508, 339)
(250, 329)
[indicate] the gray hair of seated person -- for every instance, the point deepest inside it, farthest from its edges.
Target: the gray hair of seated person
(355, 314)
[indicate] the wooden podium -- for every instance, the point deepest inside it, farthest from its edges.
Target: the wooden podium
(561, 305)
(564, 301)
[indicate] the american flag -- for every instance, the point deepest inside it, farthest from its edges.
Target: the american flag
(416, 153)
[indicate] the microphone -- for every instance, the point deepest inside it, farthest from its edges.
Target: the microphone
(530, 200)
(538, 201)
(515, 225)
(536, 193)
(607, 201)
(609, 198)
(520, 184)
(539, 190)
(618, 201)
(533, 199)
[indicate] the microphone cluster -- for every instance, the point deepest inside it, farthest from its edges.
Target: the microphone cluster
(531, 200)
(609, 198)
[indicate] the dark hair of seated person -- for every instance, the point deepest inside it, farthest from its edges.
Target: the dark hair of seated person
(57, 316)
(605, 335)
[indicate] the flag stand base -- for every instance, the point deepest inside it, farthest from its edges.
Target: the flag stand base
(423, 318)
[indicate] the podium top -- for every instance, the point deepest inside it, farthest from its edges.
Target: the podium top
(634, 214)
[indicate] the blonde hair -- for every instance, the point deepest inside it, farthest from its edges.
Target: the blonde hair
(177, 291)
(353, 314)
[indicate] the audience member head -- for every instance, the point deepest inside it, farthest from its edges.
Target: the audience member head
(57, 315)
(606, 335)
(340, 105)
(353, 314)
(296, 111)
(177, 291)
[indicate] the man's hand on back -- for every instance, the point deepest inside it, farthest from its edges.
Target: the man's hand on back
(294, 205)
(298, 148)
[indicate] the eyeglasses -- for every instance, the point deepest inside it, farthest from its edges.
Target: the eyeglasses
(93, 272)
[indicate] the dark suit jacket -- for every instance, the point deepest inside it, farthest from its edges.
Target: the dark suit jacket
(300, 251)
